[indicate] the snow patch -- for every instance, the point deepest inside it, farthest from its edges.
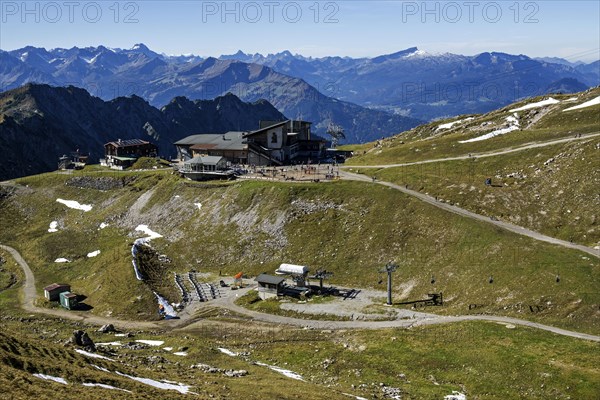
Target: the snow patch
(51, 378)
(93, 254)
(180, 387)
(199, 205)
(100, 368)
(593, 102)
(451, 124)
(103, 225)
(61, 260)
(513, 125)
(167, 308)
(455, 396)
(75, 205)
(109, 344)
(92, 355)
(286, 372)
(542, 103)
(181, 353)
(151, 234)
(104, 386)
(168, 348)
(226, 351)
(151, 342)
(53, 226)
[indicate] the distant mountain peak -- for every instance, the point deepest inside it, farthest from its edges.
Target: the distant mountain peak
(396, 55)
(140, 46)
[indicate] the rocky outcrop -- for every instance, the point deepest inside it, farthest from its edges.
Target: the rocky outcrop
(40, 123)
(81, 338)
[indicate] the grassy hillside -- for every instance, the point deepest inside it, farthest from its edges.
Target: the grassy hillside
(474, 358)
(349, 228)
(429, 141)
(551, 189)
(41, 349)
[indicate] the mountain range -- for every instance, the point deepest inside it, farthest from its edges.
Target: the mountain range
(39, 123)
(110, 73)
(428, 86)
(369, 97)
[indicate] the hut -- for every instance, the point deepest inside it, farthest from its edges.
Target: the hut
(68, 300)
(52, 292)
(269, 286)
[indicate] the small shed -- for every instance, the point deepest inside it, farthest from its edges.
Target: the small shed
(269, 286)
(52, 292)
(68, 300)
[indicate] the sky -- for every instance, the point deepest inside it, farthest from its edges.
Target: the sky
(567, 29)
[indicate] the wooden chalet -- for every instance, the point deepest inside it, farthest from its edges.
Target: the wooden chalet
(122, 154)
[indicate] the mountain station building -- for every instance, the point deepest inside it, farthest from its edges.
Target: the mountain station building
(274, 143)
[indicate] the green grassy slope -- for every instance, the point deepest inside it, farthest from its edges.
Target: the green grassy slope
(539, 124)
(482, 360)
(552, 189)
(349, 228)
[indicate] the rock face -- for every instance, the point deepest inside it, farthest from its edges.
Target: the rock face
(81, 338)
(109, 73)
(40, 123)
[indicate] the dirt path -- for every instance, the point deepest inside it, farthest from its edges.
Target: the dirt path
(30, 293)
(527, 146)
(465, 213)
(420, 319)
(461, 211)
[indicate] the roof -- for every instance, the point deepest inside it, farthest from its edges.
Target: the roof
(55, 286)
(266, 128)
(124, 158)
(291, 269)
(68, 295)
(270, 279)
(128, 142)
(233, 140)
(205, 160)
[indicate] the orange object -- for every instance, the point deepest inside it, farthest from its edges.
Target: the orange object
(239, 275)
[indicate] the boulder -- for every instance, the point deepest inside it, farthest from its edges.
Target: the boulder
(81, 338)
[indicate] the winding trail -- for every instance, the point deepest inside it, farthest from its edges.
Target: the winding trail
(469, 214)
(527, 146)
(465, 213)
(30, 293)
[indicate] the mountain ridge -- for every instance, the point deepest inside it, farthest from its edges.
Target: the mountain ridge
(60, 120)
(110, 73)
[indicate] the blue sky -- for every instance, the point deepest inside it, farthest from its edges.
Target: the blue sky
(568, 29)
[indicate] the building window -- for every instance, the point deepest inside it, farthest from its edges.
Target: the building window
(274, 138)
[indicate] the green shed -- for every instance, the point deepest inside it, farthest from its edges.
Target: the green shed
(68, 300)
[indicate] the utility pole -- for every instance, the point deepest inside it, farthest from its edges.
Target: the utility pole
(389, 268)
